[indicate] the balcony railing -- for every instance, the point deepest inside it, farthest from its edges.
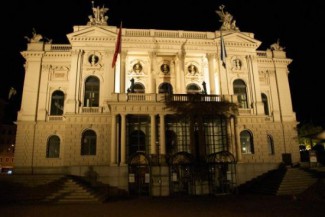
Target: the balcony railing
(92, 110)
(55, 118)
(142, 97)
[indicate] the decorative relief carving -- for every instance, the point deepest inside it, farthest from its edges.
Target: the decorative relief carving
(136, 68)
(58, 73)
(165, 69)
(192, 70)
(93, 60)
(237, 64)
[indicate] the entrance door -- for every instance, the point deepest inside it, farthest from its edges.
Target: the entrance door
(181, 179)
(181, 173)
(139, 175)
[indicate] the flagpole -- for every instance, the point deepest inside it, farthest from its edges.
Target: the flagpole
(223, 57)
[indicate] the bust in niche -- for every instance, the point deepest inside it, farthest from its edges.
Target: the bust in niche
(237, 64)
(93, 59)
(137, 67)
(165, 68)
(192, 69)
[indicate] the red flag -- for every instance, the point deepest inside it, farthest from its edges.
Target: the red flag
(117, 46)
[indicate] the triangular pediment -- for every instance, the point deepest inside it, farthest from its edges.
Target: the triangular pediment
(241, 38)
(91, 33)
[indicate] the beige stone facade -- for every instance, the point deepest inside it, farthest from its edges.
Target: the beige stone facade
(80, 114)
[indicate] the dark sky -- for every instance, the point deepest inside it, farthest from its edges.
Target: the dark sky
(298, 25)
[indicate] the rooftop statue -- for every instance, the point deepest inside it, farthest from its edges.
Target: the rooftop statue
(276, 46)
(228, 23)
(98, 17)
(35, 38)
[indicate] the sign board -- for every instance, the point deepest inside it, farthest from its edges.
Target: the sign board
(147, 178)
(131, 178)
(312, 156)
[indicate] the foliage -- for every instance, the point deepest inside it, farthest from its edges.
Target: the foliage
(196, 106)
(307, 132)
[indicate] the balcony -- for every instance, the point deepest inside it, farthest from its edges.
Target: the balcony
(55, 118)
(152, 97)
(90, 110)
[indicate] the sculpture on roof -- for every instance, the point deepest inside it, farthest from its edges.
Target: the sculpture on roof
(98, 17)
(35, 38)
(228, 23)
(276, 46)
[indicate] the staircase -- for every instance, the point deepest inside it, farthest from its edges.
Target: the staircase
(295, 182)
(283, 181)
(27, 188)
(72, 191)
(49, 189)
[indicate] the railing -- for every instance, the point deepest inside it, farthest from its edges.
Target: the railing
(60, 47)
(261, 53)
(194, 98)
(141, 97)
(165, 33)
(92, 110)
(245, 111)
(55, 118)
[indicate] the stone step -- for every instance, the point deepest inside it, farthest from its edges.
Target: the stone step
(72, 191)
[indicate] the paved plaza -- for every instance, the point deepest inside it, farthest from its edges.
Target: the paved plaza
(214, 206)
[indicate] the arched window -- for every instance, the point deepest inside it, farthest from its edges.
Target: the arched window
(88, 143)
(265, 103)
(137, 141)
(165, 88)
(139, 88)
(240, 91)
(246, 141)
(53, 147)
(57, 103)
(91, 98)
(193, 88)
(270, 144)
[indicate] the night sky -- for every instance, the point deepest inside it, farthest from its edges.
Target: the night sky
(297, 24)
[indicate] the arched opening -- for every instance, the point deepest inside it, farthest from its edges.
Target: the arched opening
(88, 143)
(91, 98)
(246, 141)
(265, 103)
(57, 103)
(240, 91)
(165, 88)
(139, 88)
(193, 89)
(222, 172)
(181, 166)
(53, 147)
(139, 174)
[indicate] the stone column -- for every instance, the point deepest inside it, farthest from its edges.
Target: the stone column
(113, 141)
(74, 94)
(123, 138)
(211, 59)
(153, 134)
(122, 72)
(162, 135)
(43, 109)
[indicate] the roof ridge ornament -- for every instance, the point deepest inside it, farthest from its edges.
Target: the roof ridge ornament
(98, 17)
(228, 23)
